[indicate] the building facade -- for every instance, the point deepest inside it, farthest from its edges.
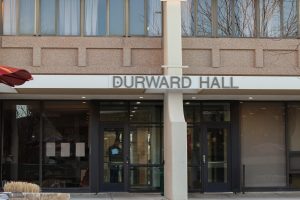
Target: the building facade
(144, 95)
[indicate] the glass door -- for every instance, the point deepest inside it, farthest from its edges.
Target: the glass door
(216, 159)
(115, 159)
(194, 147)
(208, 158)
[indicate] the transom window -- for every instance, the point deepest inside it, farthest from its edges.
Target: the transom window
(82, 17)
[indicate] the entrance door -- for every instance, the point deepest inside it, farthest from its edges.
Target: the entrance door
(216, 159)
(209, 160)
(114, 163)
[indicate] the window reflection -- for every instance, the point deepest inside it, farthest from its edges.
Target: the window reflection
(116, 17)
(187, 18)
(294, 144)
(137, 17)
(20, 156)
(154, 13)
(48, 18)
(270, 18)
(290, 18)
(26, 17)
(225, 20)
(145, 157)
(65, 145)
(145, 143)
(95, 17)
(204, 18)
(244, 18)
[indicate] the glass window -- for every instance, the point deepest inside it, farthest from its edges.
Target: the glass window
(95, 17)
(216, 112)
(189, 114)
(263, 144)
(9, 17)
(187, 18)
(294, 144)
(244, 18)
(145, 144)
(48, 17)
(116, 17)
(154, 18)
(114, 111)
(136, 17)
(194, 157)
(26, 18)
(65, 145)
(69, 17)
(21, 133)
(204, 18)
(290, 18)
(225, 20)
(147, 114)
(145, 149)
(270, 18)
(145, 177)
(294, 127)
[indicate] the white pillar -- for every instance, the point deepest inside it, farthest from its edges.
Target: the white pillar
(175, 128)
(175, 148)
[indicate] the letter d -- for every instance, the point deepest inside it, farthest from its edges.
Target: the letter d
(117, 81)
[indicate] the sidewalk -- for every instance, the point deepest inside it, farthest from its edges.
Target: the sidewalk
(192, 196)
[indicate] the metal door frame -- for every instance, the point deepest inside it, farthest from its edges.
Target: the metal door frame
(114, 187)
(214, 187)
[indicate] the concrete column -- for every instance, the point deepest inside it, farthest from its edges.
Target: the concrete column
(175, 148)
(172, 37)
(175, 128)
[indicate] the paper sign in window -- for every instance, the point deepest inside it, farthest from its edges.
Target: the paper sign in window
(50, 149)
(65, 150)
(80, 149)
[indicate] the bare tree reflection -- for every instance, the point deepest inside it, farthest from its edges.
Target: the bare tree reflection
(238, 18)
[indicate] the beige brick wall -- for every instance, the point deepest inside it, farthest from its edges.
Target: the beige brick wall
(140, 55)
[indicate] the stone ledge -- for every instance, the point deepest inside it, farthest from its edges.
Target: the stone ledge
(44, 196)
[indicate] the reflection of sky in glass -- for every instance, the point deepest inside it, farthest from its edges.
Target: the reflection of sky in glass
(137, 17)
(244, 18)
(27, 16)
(48, 17)
(204, 17)
(22, 111)
(290, 17)
(187, 18)
(225, 25)
(154, 20)
(270, 18)
(95, 17)
(116, 17)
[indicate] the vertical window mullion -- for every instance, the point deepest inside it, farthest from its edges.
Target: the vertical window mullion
(17, 16)
(298, 17)
(82, 18)
(195, 17)
(37, 18)
(57, 16)
(1, 21)
(108, 17)
(126, 17)
(145, 17)
(214, 10)
(281, 19)
(257, 19)
(232, 20)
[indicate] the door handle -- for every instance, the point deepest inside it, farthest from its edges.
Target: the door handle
(203, 159)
